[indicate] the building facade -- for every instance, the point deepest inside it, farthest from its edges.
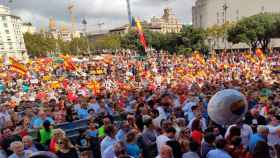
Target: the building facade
(62, 33)
(207, 13)
(11, 35)
(168, 22)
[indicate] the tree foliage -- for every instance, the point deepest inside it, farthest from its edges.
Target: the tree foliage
(256, 30)
(107, 42)
(189, 38)
(41, 45)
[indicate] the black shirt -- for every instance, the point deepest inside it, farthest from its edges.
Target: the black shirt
(260, 119)
(72, 153)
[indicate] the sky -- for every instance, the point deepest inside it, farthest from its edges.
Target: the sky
(112, 13)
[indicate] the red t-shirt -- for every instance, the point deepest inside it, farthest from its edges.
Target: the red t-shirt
(197, 136)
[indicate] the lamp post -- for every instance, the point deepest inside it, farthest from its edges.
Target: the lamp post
(84, 22)
(225, 8)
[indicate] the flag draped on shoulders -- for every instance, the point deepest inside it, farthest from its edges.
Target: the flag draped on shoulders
(16, 66)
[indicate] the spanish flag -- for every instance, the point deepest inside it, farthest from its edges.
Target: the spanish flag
(17, 67)
(141, 33)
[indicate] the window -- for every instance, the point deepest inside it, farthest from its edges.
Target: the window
(3, 18)
(7, 31)
(5, 25)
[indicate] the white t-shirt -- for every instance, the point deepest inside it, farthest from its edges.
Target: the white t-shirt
(246, 133)
(273, 137)
(161, 140)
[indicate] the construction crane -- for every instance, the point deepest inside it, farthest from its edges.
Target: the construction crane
(129, 12)
(70, 9)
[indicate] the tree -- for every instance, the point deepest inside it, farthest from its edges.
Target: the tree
(217, 32)
(107, 42)
(38, 45)
(255, 31)
(131, 41)
(193, 38)
(79, 45)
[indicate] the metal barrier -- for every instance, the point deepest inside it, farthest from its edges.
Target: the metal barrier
(72, 128)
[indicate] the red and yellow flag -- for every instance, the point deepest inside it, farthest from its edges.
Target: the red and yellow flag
(141, 34)
(17, 67)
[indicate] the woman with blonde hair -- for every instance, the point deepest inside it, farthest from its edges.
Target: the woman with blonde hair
(66, 149)
(58, 134)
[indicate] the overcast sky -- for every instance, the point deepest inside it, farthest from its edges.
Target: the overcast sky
(112, 13)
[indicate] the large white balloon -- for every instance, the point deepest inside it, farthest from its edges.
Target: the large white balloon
(227, 107)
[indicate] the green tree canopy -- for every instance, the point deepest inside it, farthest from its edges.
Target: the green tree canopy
(107, 42)
(256, 30)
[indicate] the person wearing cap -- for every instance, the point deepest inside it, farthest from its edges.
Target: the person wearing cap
(274, 126)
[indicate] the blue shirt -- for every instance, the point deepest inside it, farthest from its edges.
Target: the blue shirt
(94, 107)
(82, 113)
(218, 153)
(38, 122)
(133, 150)
(91, 133)
(120, 136)
(255, 138)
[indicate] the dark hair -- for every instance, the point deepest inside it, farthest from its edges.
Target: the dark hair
(209, 138)
(193, 146)
(109, 130)
(221, 143)
(196, 125)
(82, 131)
(148, 122)
(130, 136)
(261, 150)
(194, 107)
(236, 141)
(170, 130)
(46, 125)
(234, 131)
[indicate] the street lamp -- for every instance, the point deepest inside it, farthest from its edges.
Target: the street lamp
(225, 8)
(84, 22)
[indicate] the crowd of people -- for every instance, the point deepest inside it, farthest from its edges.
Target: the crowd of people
(162, 102)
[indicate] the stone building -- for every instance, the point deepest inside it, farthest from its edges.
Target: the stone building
(168, 22)
(11, 36)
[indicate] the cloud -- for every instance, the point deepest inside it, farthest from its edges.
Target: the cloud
(110, 12)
